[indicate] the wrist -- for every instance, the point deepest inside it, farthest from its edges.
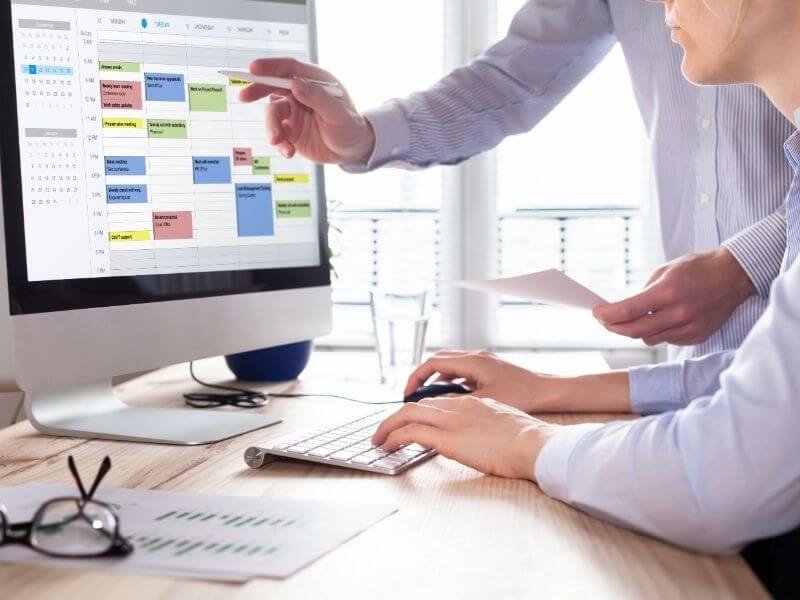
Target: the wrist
(527, 446)
(740, 282)
(367, 146)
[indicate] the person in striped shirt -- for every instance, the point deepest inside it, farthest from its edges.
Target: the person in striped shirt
(718, 167)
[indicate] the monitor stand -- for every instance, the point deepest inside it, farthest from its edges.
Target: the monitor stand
(93, 411)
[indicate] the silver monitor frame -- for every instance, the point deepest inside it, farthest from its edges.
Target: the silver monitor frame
(64, 361)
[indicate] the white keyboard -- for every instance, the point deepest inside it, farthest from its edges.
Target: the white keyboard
(347, 444)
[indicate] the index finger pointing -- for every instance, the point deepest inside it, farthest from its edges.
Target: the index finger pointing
(257, 91)
(449, 366)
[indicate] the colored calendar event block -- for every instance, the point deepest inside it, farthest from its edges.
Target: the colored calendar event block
(164, 87)
(208, 97)
(129, 236)
(254, 215)
(293, 178)
(170, 129)
(126, 194)
(262, 165)
(293, 209)
(173, 225)
(242, 157)
(125, 165)
(115, 66)
(121, 94)
(123, 123)
(212, 169)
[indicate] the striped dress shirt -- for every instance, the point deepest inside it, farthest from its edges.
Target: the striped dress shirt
(721, 176)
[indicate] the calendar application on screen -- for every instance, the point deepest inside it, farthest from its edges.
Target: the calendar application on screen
(137, 156)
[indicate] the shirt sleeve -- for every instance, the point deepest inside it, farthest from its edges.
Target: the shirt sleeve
(760, 250)
(713, 476)
(670, 386)
(549, 49)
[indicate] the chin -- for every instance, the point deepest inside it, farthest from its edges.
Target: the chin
(705, 74)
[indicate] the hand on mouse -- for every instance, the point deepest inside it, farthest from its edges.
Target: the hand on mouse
(490, 377)
(478, 432)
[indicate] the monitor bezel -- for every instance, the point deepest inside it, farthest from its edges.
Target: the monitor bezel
(34, 297)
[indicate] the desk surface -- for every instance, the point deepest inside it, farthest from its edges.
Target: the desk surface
(457, 534)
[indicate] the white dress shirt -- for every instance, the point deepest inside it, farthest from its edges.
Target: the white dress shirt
(721, 472)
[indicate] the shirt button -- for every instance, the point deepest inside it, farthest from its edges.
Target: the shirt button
(705, 199)
(706, 123)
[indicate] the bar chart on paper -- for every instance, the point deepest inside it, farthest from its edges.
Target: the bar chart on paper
(213, 537)
(179, 174)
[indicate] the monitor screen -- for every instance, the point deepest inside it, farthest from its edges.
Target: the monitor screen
(137, 161)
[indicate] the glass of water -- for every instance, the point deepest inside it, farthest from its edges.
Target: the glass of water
(400, 320)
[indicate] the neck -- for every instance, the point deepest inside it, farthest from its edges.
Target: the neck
(780, 79)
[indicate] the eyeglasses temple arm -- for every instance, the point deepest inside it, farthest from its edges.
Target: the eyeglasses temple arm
(105, 467)
(74, 470)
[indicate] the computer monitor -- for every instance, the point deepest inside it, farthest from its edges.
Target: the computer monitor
(147, 221)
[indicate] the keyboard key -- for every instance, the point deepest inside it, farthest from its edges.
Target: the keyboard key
(301, 448)
(285, 443)
(366, 458)
(416, 448)
(344, 454)
(387, 463)
(322, 451)
(405, 455)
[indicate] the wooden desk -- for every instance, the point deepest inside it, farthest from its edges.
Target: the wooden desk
(458, 534)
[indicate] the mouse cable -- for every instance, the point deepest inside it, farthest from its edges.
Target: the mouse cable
(244, 398)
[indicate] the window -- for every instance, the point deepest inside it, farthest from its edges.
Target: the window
(564, 200)
(535, 213)
(377, 213)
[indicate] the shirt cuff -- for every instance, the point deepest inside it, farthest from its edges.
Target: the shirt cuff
(552, 466)
(392, 138)
(656, 389)
(759, 250)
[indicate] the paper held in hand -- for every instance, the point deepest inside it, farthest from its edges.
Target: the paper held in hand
(549, 287)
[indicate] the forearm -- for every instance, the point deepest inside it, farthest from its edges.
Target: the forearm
(710, 477)
(649, 389)
(671, 386)
(597, 393)
(760, 249)
(549, 49)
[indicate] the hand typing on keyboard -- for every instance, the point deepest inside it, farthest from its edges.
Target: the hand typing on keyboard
(491, 437)
(348, 444)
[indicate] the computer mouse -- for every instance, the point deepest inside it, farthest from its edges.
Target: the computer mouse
(435, 390)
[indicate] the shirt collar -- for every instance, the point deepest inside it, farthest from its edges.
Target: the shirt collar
(792, 145)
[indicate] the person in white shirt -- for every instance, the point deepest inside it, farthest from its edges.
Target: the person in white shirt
(717, 472)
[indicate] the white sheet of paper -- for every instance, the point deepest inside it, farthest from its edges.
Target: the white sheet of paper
(223, 538)
(550, 287)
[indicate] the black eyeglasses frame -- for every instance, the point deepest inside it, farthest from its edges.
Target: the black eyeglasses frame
(21, 533)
